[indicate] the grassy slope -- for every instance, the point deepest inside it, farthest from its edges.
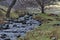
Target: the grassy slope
(43, 31)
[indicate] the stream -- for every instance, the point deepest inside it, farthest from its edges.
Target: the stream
(17, 28)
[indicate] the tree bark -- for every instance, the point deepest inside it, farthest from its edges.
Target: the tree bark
(9, 9)
(42, 9)
(42, 6)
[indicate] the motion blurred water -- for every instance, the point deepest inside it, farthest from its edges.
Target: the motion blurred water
(17, 28)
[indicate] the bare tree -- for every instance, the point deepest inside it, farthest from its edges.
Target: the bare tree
(10, 7)
(43, 3)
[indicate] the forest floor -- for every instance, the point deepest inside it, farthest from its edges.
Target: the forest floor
(50, 28)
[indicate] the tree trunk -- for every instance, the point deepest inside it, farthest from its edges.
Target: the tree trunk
(42, 9)
(42, 6)
(10, 7)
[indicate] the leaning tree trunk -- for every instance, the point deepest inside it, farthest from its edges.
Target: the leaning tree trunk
(10, 7)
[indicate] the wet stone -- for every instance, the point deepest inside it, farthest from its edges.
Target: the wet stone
(14, 25)
(6, 39)
(23, 26)
(3, 36)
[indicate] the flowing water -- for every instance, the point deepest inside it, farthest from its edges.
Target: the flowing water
(16, 28)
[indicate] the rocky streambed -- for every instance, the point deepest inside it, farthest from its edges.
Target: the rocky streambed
(17, 28)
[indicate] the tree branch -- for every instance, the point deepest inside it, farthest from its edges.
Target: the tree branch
(2, 9)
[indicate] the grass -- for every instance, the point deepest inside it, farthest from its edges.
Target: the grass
(44, 31)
